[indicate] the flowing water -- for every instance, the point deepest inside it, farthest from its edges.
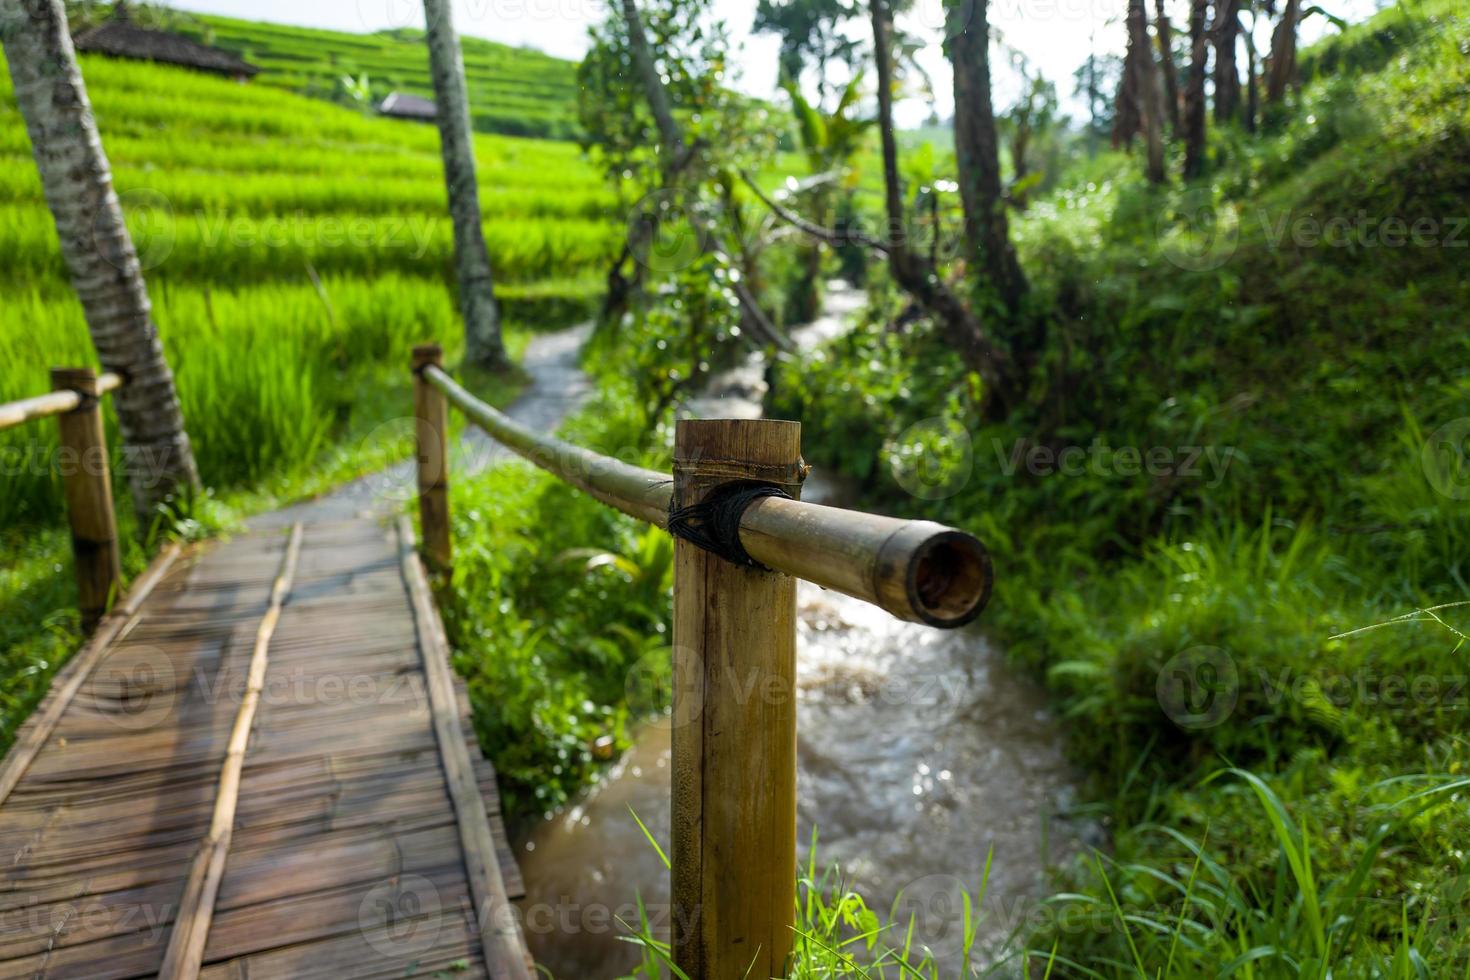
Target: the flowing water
(920, 752)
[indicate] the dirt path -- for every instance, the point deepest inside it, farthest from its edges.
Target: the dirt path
(557, 387)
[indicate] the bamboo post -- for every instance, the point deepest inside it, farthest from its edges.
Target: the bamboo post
(87, 480)
(734, 721)
(431, 430)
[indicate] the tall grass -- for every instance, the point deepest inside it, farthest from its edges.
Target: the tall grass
(1201, 916)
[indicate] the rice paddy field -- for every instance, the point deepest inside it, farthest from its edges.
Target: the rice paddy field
(515, 91)
(295, 250)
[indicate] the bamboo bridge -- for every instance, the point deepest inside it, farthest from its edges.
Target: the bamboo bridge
(260, 764)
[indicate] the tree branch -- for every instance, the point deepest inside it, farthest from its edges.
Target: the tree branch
(831, 236)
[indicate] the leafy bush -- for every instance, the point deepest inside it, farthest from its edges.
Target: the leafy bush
(1308, 367)
(559, 612)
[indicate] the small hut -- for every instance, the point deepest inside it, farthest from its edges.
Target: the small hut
(401, 105)
(119, 37)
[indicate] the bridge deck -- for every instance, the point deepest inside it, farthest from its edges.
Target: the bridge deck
(348, 856)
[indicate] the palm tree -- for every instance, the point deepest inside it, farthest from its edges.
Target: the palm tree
(1141, 83)
(96, 247)
(1194, 91)
(1164, 34)
(1281, 66)
(977, 154)
(483, 345)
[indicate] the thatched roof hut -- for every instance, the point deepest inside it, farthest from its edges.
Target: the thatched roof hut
(121, 38)
(401, 105)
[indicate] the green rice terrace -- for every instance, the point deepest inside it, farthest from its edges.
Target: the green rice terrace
(514, 91)
(632, 527)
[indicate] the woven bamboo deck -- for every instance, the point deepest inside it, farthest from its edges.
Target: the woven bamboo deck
(353, 848)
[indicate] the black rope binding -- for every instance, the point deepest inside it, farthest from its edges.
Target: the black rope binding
(714, 523)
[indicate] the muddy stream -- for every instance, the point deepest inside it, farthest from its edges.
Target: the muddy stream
(920, 753)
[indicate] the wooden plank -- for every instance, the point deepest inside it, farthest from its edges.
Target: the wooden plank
(338, 799)
(361, 955)
(504, 949)
(124, 616)
(196, 908)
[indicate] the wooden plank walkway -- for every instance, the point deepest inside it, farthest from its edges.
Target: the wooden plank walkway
(349, 852)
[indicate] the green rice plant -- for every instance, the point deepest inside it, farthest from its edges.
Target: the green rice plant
(512, 90)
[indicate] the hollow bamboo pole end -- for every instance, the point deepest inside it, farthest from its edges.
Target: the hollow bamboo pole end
(928, 573)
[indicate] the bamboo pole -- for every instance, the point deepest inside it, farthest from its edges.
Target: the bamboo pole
(500, 936)
(190, 933)
(87, 481)
(734, 734)
(919, 571)
(431, 430)
(51, 403)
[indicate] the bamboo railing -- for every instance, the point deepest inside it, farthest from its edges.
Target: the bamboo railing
(734, 712)
(86, 479)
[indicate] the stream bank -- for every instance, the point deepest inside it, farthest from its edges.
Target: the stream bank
(922, 755)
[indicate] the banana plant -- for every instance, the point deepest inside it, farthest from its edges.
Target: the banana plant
(829, 141)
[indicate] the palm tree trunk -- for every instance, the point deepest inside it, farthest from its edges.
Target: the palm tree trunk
(1227, 78)
(1281, 69)
(1252, 82)
(483, 345)
(1165, 34)
(977, 156)
(97, 249)
(913, 274)
(1194, 91)
(1146, 89)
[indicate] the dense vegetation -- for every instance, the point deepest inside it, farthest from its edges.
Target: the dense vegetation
(1234, 484)
(288, 296)
(1194, 616)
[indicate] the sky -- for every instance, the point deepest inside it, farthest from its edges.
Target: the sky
(1055, 35)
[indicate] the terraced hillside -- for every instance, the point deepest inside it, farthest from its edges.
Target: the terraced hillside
(239, 198)
(513, 91)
